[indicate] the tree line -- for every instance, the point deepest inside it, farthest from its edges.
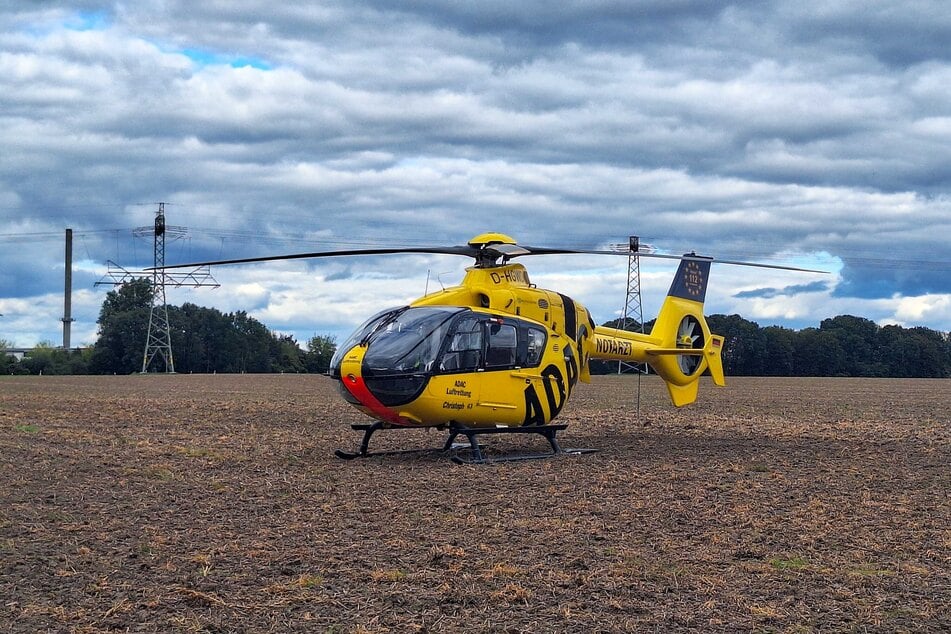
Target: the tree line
(841, 346)
(205, 340)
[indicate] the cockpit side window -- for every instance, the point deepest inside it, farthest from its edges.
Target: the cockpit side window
(464, 353)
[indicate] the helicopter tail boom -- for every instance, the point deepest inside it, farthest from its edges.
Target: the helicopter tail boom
(680, 346)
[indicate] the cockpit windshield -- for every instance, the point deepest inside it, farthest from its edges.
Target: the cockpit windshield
(359, 334)
(407, 341)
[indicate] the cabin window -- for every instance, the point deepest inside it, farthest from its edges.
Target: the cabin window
(536, 346)
(477, 342)
(500, 353)
(401, 350)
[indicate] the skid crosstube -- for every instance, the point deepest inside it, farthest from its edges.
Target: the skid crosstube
(476, 455)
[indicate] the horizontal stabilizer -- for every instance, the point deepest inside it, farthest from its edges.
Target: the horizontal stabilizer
(663, 351)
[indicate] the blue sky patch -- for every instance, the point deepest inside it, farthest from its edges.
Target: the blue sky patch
(88, 21)
(203, 57)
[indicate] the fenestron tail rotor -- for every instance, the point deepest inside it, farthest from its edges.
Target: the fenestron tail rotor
(689, 336)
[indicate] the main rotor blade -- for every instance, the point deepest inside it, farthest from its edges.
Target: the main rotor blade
(491, 252)
(458, 250)
(662, 256)
(769, 266)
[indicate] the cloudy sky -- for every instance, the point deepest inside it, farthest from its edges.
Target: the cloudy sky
(807, 133)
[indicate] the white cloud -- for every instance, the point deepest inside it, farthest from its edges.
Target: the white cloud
(931, 308)
(757, 131)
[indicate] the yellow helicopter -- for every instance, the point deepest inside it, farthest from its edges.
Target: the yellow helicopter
(496, 354)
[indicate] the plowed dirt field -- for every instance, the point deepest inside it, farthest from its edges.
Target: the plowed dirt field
(215, 504)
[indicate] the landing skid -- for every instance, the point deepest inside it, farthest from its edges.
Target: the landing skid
(364, 452)
(472, 447)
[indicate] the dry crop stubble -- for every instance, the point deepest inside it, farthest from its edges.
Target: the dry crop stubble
(214, 503)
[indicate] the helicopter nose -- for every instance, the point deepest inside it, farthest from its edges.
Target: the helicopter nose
(351, 377)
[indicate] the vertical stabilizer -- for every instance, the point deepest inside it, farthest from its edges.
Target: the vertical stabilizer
(687, 347)
(691, 280)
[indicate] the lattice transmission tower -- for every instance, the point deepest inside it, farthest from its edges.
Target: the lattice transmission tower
(158, 344)
(159, 338)
(633, 308)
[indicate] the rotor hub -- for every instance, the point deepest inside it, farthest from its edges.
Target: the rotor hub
(487, 239)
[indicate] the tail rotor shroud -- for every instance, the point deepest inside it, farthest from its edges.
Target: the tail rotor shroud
(689, 336)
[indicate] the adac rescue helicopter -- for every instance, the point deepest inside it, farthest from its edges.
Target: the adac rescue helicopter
(496, 354)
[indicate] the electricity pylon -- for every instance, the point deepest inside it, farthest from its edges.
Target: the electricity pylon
(633, 308)
(159, 339)
(158, 342)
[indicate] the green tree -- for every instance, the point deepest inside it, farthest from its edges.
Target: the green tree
(926, 353)
(123, 326)
(203, 339)
(858, 340)
(780, 357)
(8, 363)
(255, 350)
(819, 354)
(43, 359)
(288, 356)
(207, 340)
(745, 348)
(320, 350)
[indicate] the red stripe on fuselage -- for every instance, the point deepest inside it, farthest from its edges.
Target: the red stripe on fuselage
(358, 387)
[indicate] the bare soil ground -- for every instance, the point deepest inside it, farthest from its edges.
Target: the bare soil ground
(214, 504)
